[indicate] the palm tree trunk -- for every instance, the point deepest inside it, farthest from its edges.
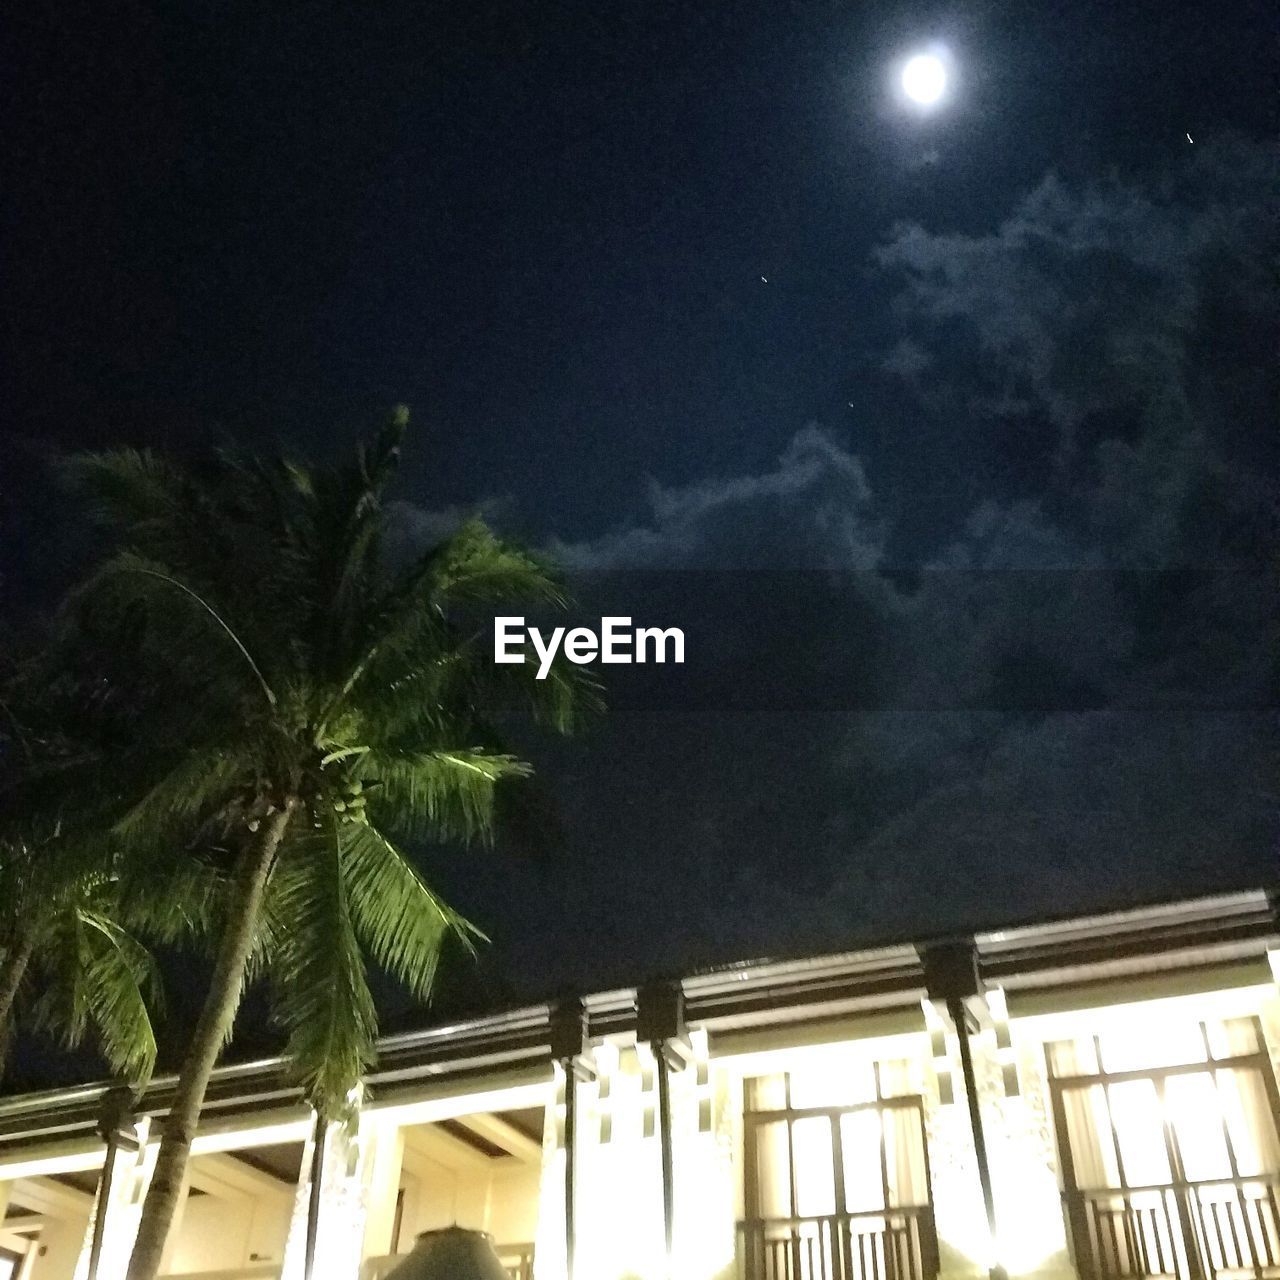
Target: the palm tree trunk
(12, 970)
(211, 1032)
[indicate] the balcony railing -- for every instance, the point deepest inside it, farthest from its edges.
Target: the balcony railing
(1190, 1231)
(517, 1259)
(893, 1244)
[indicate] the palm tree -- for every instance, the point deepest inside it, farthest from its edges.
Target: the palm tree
(63, 943)
(320, 704)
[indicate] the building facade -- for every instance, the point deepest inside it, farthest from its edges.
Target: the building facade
(1091, 1098)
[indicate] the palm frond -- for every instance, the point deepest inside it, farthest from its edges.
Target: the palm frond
(322, 995)
(461, 688)
(567, 698)
(401, 921)
(128, 579)
(128, 487)
(475, 566)
(438, 794)
(362, 531)
(182, 797)
(173, 517)
(472, 567)
(173, 897)
(100, 976)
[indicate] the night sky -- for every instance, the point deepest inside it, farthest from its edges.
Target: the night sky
(949, 438)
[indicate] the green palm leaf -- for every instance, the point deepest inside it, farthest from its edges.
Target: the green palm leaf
(401, 921)
(129, 580)
(207, 777)
(323, 997)
(438, 794)
(137, 487)
(100, 977)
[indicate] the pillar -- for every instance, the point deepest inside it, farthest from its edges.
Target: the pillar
(569, 1048)
(996, 1195)
(954, 986)
(346, 1162)
(120, 1209)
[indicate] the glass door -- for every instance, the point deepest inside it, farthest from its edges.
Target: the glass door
(835, 1192)
(1170, 1153)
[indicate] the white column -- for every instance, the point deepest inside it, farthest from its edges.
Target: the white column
(964, 1245)
(704, 1170)
(1013, 1098)
(131, 1176)
(620, 1226)
(549, 1261)
(1024, 1172)
(383, 1164)
(348, 1183)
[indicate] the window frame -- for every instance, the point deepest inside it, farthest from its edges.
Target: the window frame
(753, 1119)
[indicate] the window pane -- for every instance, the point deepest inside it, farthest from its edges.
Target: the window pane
(1073, 1058)
(1233, 1038)
(1093, 1152)
(899, 1078)
(773, 1171)
(904, 1147)
(1152, 1041)
(834, 1082)
(815, 1167)
(860, 1140)
(767, 1093)
(1139, 1125)
(1247, 1108)
(1196, 1117)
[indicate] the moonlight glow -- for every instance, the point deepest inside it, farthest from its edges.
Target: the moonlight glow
(924, 79)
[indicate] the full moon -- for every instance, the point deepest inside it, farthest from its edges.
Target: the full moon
(924, 79)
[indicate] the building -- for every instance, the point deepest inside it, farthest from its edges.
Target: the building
(1092, 1097)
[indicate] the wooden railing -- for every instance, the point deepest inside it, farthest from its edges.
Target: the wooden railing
(517, 1259)
(892, 1244)
(1226, 1230)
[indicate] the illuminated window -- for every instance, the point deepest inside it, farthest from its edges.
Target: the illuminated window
(837, 1176)
(1167, 1132)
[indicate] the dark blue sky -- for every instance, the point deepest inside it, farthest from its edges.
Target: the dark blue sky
(1009, 386)
(542, 225)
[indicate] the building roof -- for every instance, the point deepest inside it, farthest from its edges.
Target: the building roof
(1200, 933)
